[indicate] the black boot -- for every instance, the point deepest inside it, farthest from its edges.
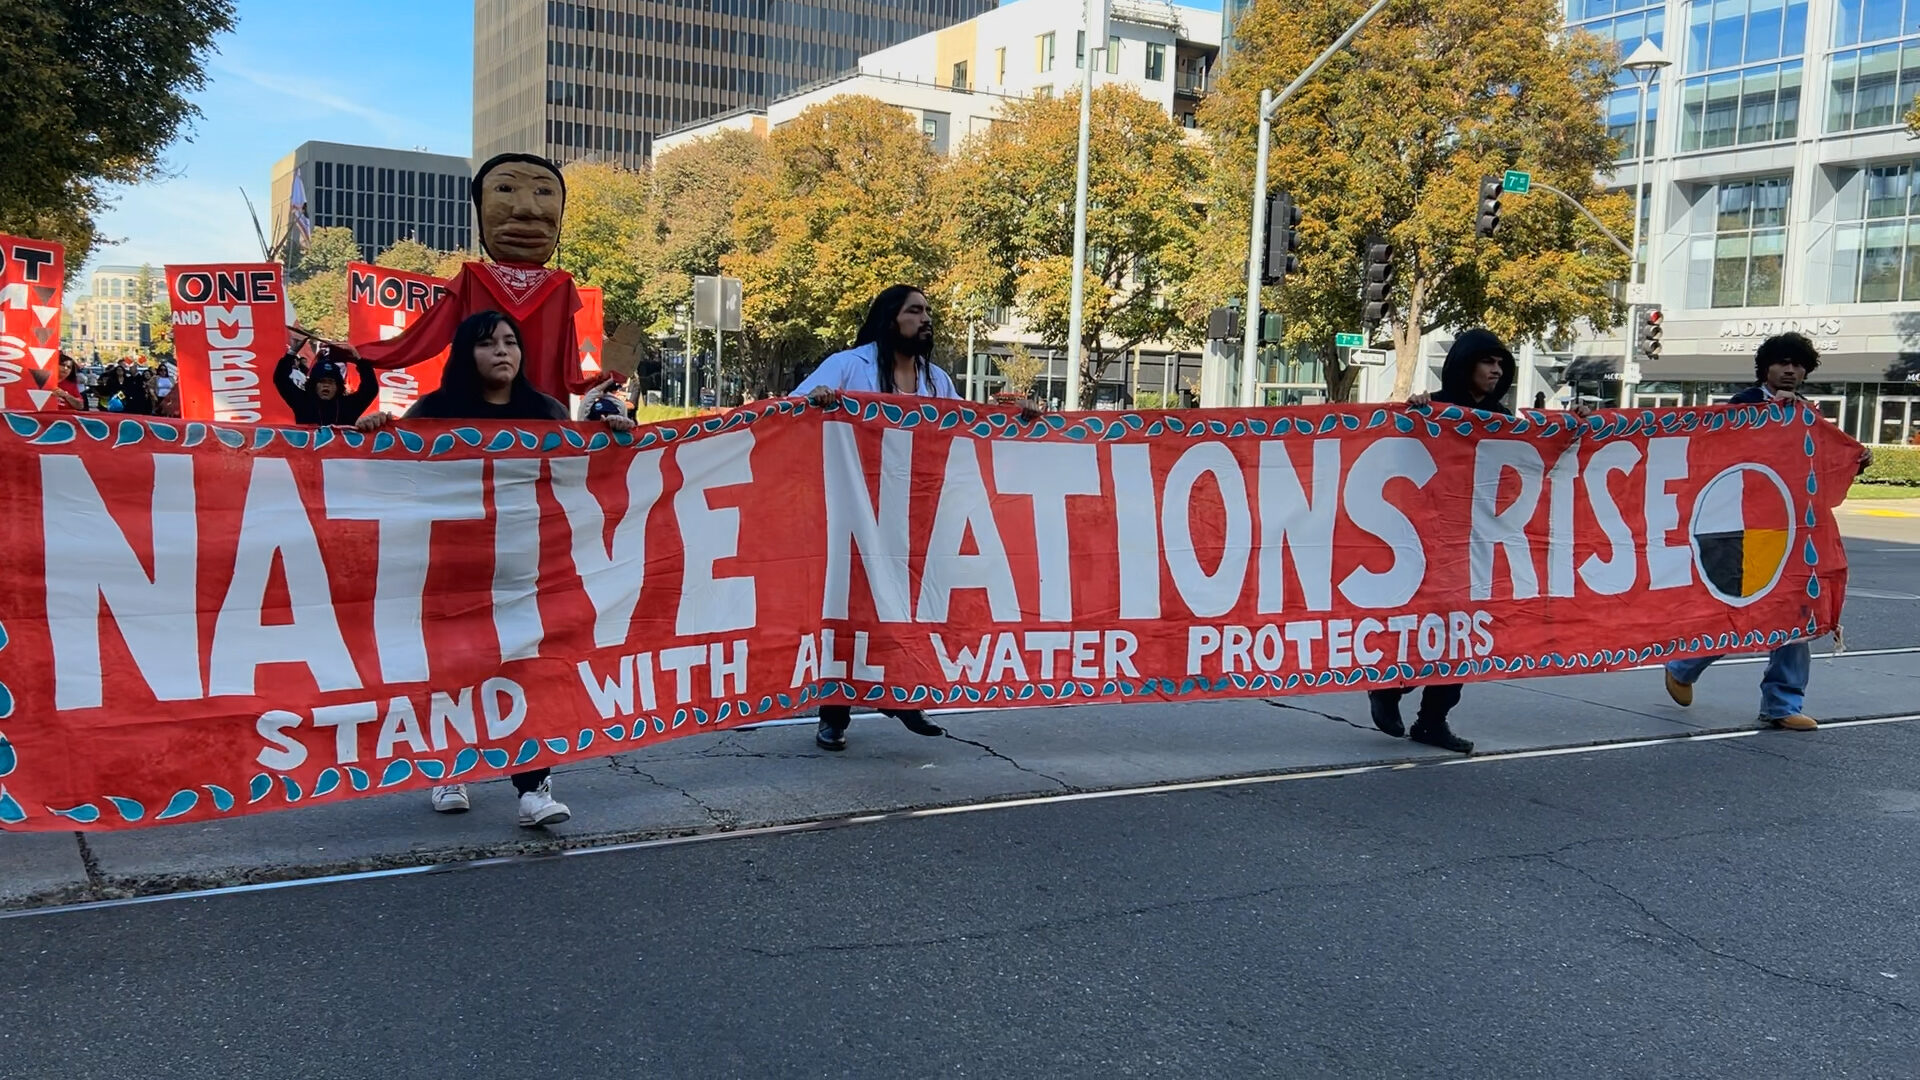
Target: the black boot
(1386, 713)
(1437, 733)
(829, 737)
(917, 722)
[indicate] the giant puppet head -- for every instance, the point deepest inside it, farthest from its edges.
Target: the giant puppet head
(519, 199)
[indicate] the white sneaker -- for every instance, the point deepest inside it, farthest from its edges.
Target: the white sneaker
(538, 808)
(451, 799)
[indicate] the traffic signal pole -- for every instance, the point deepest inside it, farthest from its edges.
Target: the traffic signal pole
(1269, 105)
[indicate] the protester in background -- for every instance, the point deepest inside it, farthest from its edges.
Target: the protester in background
(1477, 375)
(323, 401)
(485, 379)
(1780, 367)
(67, 391)
(128, 388)
(1540, 400)
(893, 354)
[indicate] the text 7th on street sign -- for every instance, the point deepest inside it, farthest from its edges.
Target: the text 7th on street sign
(1516, 181)
(1348, 341)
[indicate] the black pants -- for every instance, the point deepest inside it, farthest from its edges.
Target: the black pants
(1435, 701)
(838, 717)
(524, 782)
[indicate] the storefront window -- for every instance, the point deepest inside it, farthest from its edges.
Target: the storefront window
(1899, 421)
(1877, 240)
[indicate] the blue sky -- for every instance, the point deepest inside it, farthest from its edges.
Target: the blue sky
(393, 73)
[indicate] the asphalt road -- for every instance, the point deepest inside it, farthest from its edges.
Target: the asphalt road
(1734, 908)
(1883, 582)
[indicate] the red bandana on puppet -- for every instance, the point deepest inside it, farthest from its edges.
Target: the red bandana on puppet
(519, 199)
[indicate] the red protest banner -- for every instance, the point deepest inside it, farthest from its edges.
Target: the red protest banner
(590, 324)
(252, 619)
(229, 330)
(32, 280)
(381, 303)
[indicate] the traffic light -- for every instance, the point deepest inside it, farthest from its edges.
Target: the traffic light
(1283, 239)
(1489, 216)
(1650, 319)
(1378, 283)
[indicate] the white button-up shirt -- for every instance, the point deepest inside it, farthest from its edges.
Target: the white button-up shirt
(858, 370)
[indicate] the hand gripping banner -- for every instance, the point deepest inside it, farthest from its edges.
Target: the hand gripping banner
(207, 620)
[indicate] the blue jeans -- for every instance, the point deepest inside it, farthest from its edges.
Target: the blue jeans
(1783, 689)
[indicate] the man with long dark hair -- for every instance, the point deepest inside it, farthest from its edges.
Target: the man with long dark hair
(893, 354)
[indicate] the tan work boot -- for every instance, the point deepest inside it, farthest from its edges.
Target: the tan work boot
(1796, 722)
(1681, 693)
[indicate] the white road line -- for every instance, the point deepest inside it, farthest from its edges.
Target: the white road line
(938, 811)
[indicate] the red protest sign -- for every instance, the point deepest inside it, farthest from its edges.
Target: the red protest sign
(590, 324)
(32, 282)
(381, 303)
(229, 330)
(301, 616)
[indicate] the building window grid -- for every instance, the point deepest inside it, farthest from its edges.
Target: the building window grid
(1877, 240)
(1745, 255)
(1745, 75)
(1626, 24)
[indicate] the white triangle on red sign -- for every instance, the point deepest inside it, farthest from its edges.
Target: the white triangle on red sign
(43, 357)
(40, 397)
(45, 314)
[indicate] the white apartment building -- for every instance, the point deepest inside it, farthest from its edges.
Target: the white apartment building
(113, 312)
(1782, 196)
(955, 81)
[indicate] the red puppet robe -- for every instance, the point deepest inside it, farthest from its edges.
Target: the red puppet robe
(541, 300)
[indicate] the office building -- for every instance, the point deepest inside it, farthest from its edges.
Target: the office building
(1782, 196)
(114, 311)
(384, 196)
(601, 80)
(1230, 12)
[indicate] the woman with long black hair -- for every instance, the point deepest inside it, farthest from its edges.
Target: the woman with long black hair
(485, 379)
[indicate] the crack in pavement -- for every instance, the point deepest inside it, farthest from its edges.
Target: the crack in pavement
(991, 752)
(1648, 914)
(720, 818)
(725, 747)
(1278, 704)
(1371, 881)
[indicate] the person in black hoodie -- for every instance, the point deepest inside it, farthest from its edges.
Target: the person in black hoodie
(1477, 375)
(485, 380)
(323, 401)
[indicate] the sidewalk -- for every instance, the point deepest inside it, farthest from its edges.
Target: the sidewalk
(774, 774)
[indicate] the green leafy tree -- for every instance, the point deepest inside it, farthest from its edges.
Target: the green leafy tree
(603, 242)
(695, 190)
(92, 92)
(450, 262)
(1007, 205)
(1391, 138)
(328, 251)
(410, 255)
(838, 212)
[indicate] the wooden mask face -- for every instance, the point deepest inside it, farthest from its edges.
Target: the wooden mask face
(520, 208)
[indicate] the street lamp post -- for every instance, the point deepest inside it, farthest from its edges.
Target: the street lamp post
(1076, 318)
(1645, 63)
(1269, 105)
